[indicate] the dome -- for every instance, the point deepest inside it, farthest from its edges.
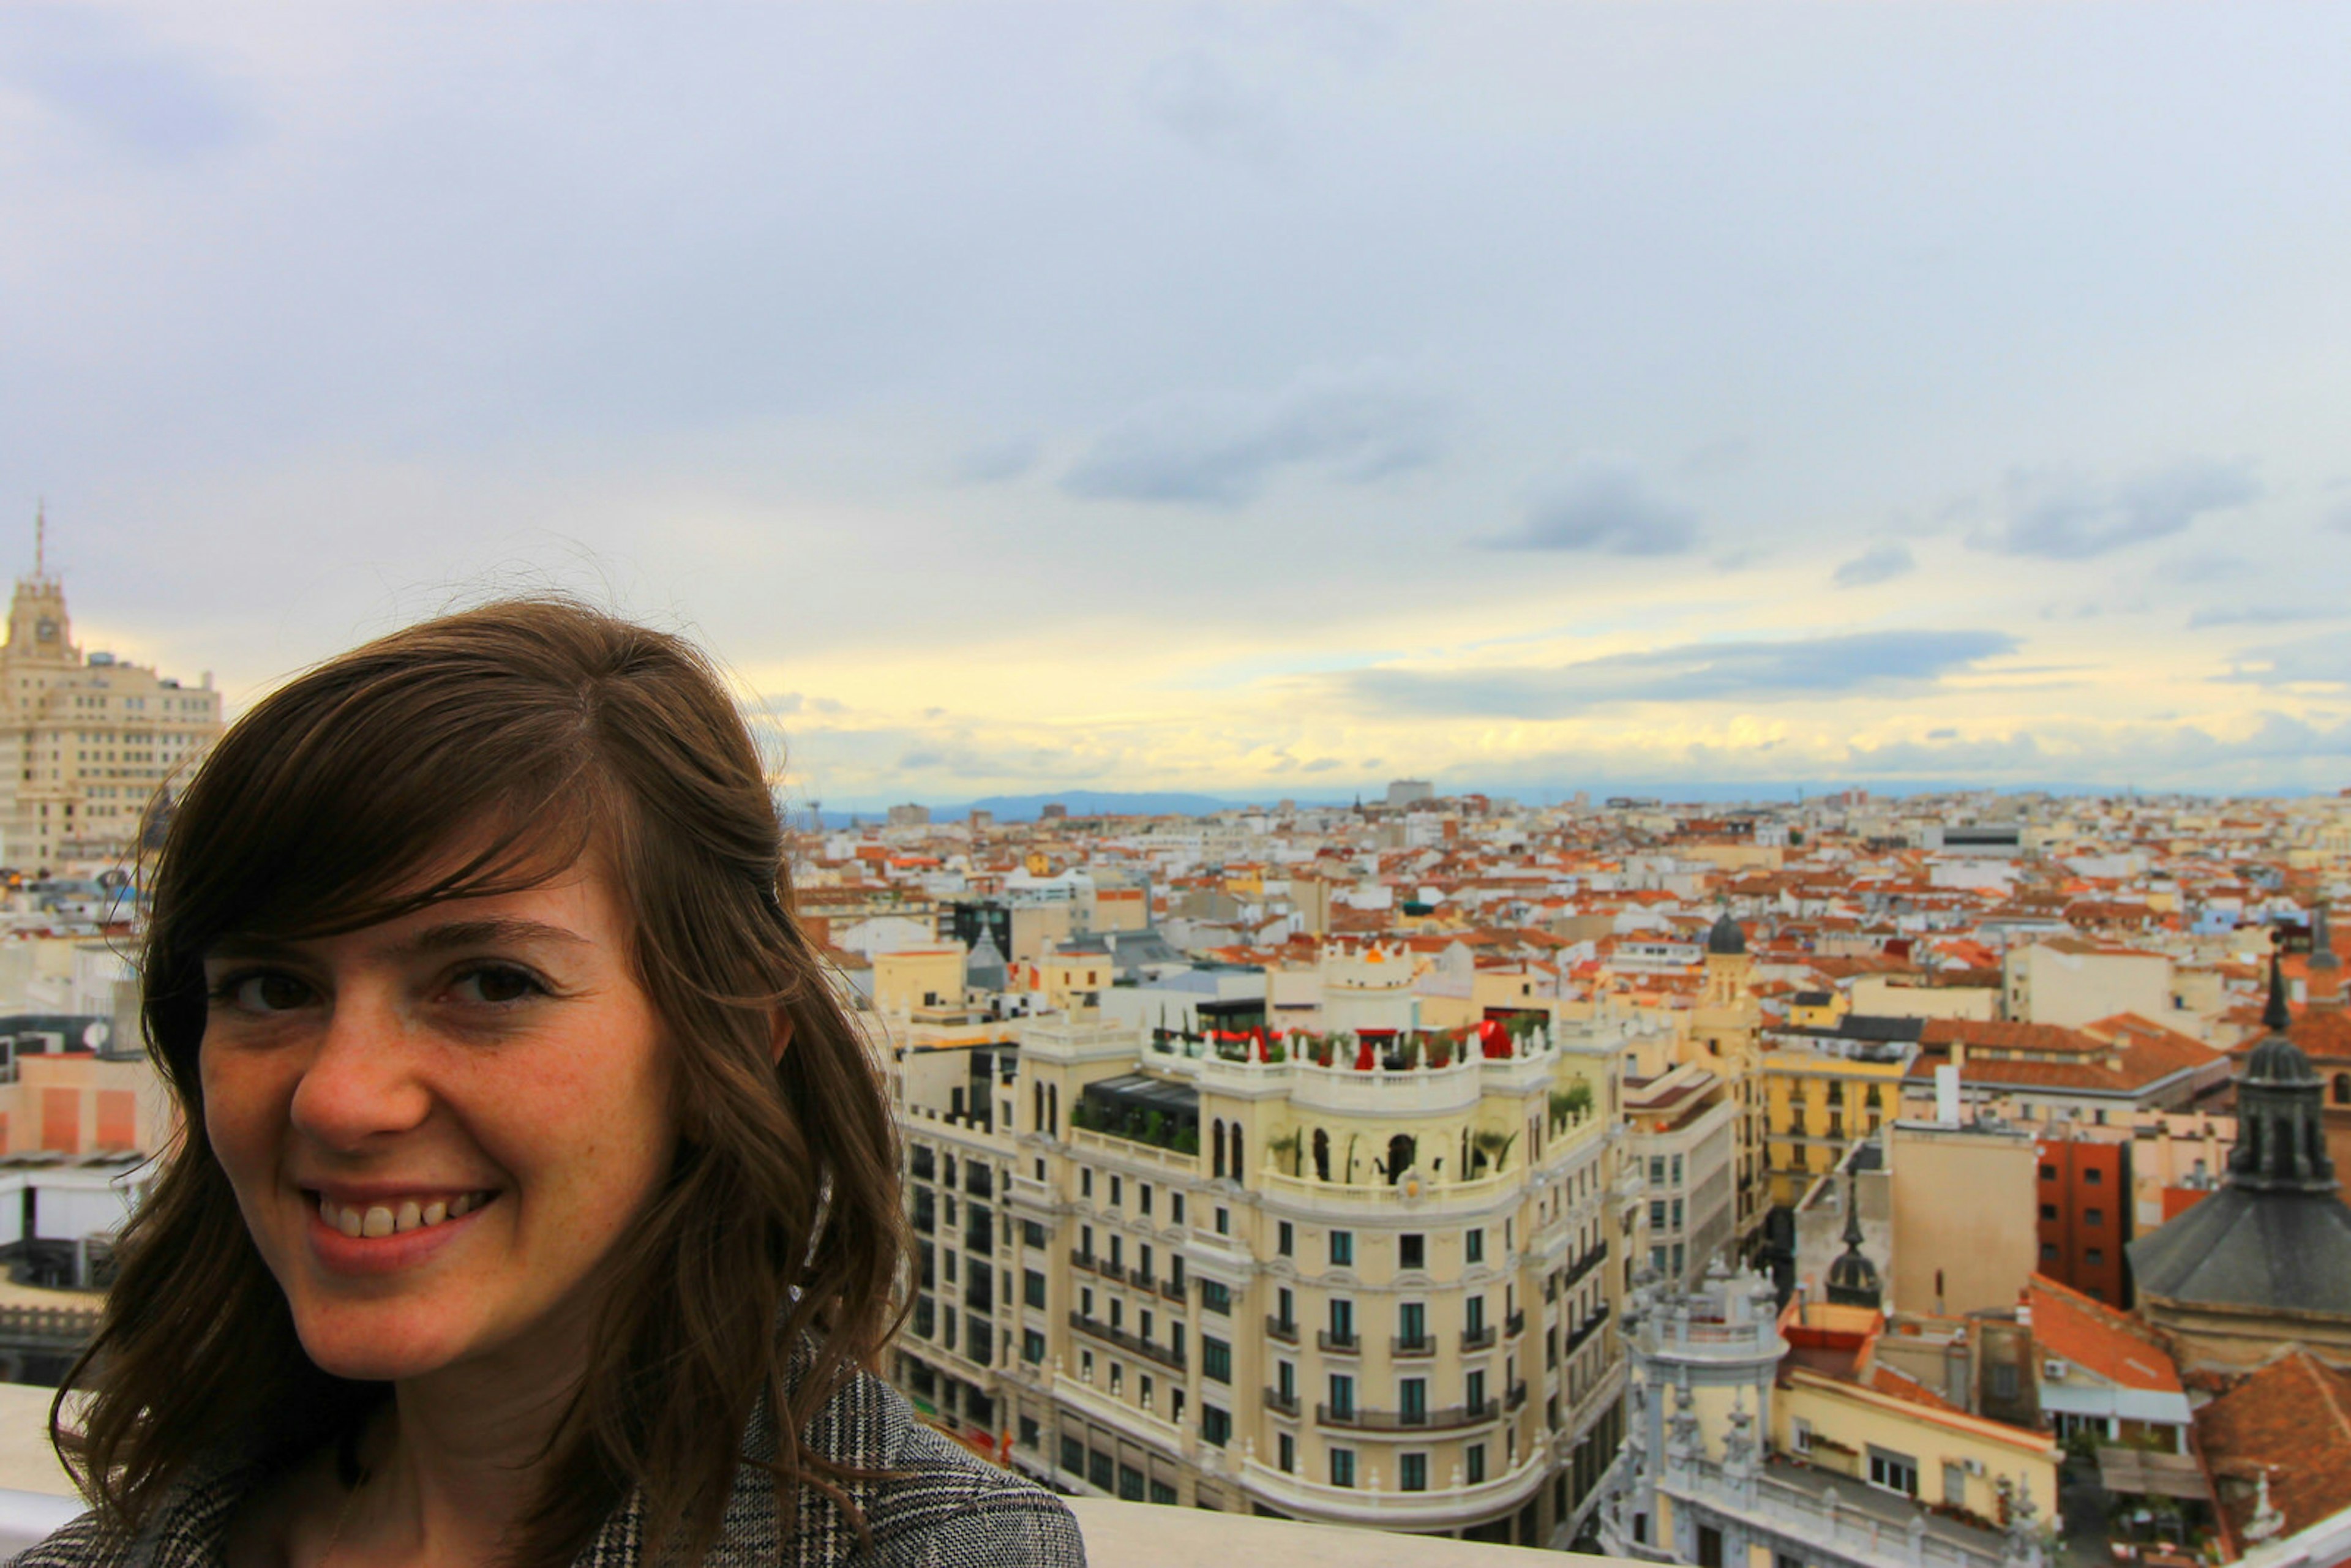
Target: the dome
(1852, 1280)
(2278, 1059)
(1725, 940)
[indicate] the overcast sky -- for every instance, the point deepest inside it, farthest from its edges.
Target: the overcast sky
(1247, 400)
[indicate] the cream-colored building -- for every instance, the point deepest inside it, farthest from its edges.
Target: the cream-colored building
(1378, 1296)
(2070, 982)
(87, 740)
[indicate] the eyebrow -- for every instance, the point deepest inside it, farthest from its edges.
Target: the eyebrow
(453, 936)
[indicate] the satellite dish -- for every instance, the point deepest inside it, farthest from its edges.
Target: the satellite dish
(95, 1037)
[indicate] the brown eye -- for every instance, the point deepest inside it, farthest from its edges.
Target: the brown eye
(271, 993)
(497, 984)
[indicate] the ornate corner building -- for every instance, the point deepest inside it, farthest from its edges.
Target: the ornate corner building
(1354, 1282)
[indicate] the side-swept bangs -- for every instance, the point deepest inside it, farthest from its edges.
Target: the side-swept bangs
(374, 788)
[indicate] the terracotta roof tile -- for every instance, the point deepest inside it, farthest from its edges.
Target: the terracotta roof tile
(2098, 1339)
(2292, 1419)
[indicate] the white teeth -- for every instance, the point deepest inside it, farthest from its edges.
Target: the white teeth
(386, 1219)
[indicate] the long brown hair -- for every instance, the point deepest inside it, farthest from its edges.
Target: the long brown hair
(765, 1265)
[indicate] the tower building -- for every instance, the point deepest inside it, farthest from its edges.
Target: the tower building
(89, 744)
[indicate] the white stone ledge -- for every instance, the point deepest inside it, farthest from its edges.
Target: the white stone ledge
(1148, 1535)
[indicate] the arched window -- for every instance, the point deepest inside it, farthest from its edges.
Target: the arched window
(1037, 1105)
(1402, 1151)
(1235, 1164)
(1322, 1155)
(1217, 1135)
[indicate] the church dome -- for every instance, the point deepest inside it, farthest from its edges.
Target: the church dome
(1725, 940)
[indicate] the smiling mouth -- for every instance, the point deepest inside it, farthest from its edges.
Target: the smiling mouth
(377, 1219)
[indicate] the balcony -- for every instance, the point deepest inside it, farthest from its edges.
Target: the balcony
(1172, 1289)
(1344, 1344)
(1419, 1344)
(1592, 1325)
(1480, 1338)
(1516, 1396)
(1131, 1343)
(1280, 1403)
(1516, 1323)
(1141, 1279)
(1588, 1262)
(1081, 1260)
(1439, 1418)
(1281, 1329)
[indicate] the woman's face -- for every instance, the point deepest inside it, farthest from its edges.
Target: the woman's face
(437, 1127)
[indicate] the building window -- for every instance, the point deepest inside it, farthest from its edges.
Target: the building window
(1473, 1463)
(1163, 1494)
(2094, 1216)
(1473, 1247)
(1342, 1466)
(1412, 1472)
(2048, 1173)
(1215, 1359)
(1284, 1238)
(1032, 1234)
(1130, 1484)
(2049, 1252)
(2003, 1380)
(1032, 1287)
(1176, 1208)
(1030, 1435)
(1101, 1469)
(1342, 1397)
(2048, 1211)
(2093, 1177)
(1893, 1471)
(1216, 1298)
(1085, 1182)
(1799, 1435)
(1955, 1483)
(1224, 1222)
(1073, 1455)
(2095, 1258)
(1142, 1197)
(1216, 1425)
(1343, 1248)
(1117, 1192)
(1412, 1252)
(1285, 1453)
(1032, 1347)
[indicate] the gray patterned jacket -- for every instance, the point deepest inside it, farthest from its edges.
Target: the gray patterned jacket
(949, 1509)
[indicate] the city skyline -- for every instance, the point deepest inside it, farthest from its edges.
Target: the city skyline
(1253, 403)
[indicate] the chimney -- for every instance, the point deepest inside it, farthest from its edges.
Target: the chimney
(1947, 1094)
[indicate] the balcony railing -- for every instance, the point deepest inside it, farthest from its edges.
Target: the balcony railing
(1346, 1344)
(1286, 1403)
(1592, 1325)
(1141, 1279)
(1440, 1418)
(1172, 1289)
(1516, 1323)
(1081, 1260)
(1480, 1338)
(1281, 1329)
(1516, 1396)
(1133, 1345)
(1417, 1344)
(1588, 1262)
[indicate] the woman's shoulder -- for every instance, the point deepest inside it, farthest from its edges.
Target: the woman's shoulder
(932, 1500)
(86, 1543)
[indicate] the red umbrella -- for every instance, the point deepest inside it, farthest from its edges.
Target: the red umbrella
(1363, 1054)
(1495, 1038)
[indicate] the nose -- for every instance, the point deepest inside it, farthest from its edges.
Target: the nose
(361, 1084)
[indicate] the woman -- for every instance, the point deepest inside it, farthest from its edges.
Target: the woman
(537, 1202)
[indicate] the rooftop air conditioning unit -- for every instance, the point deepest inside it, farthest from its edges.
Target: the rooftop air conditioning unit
(2053, 1369)
(1975, 1467)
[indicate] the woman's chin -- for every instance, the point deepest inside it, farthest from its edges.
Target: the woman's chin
(378, 1346)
